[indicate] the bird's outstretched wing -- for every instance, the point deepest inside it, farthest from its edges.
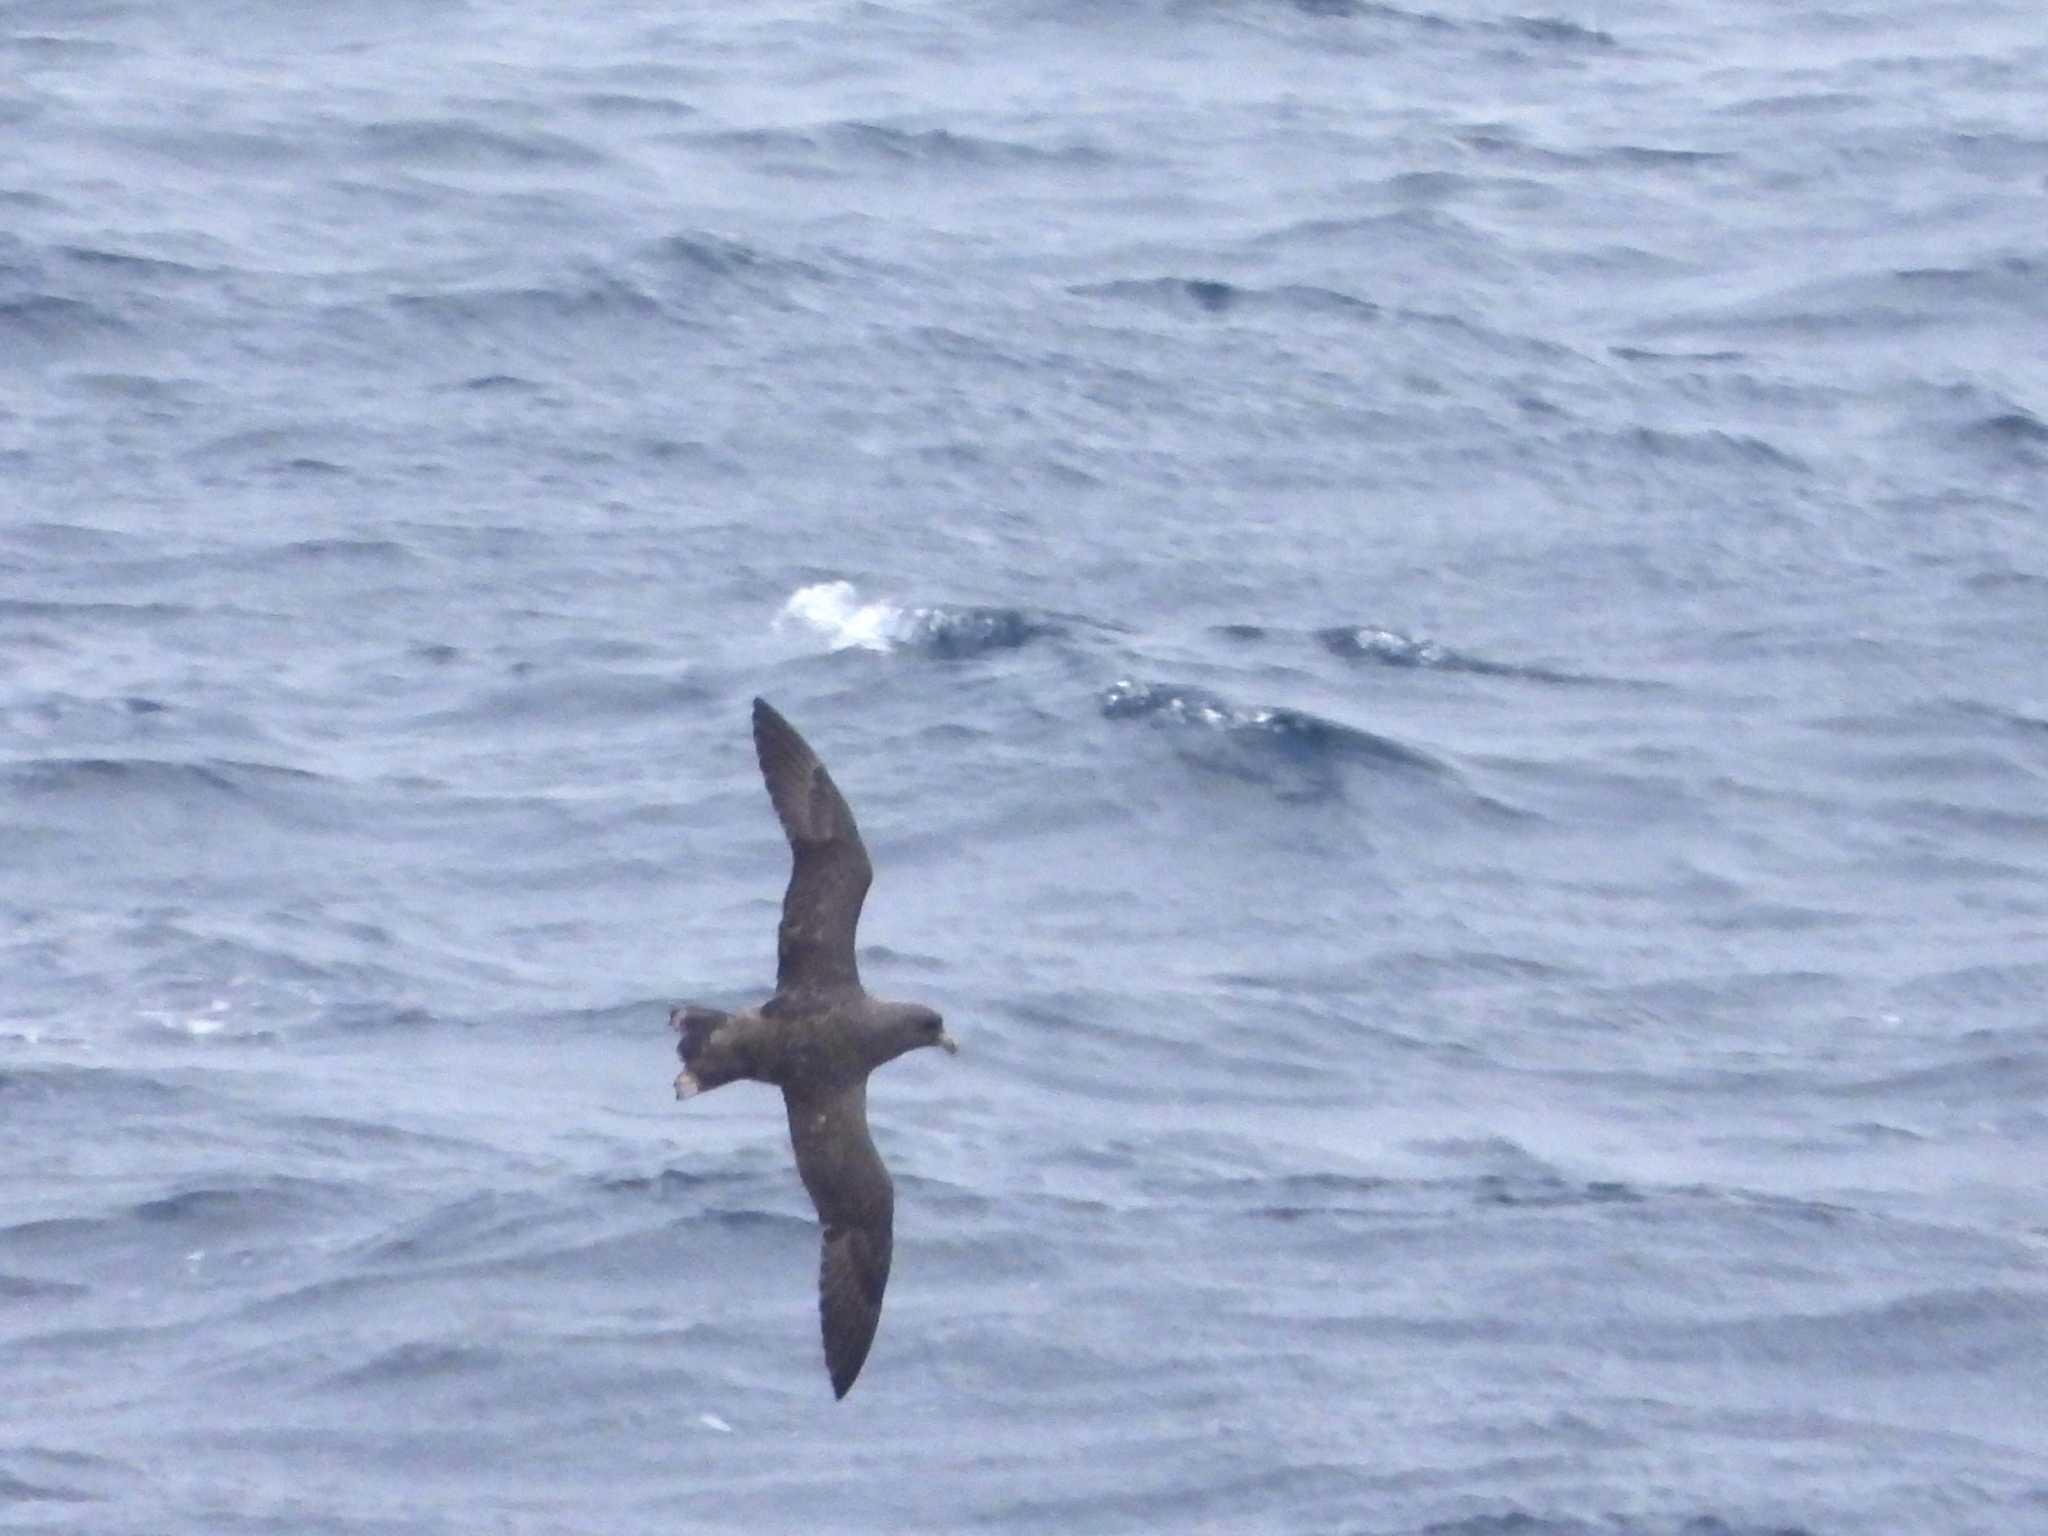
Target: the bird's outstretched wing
(830, 874)
(856, 1204)
(852, 1272)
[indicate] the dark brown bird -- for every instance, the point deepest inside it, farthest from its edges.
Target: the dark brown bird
(817, 1039)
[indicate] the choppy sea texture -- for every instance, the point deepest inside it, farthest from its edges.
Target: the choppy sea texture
(1433, 616)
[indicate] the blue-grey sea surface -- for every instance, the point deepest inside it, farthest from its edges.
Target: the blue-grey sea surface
(1436, 614)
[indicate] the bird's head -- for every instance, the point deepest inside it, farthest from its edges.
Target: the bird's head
(904, 1027)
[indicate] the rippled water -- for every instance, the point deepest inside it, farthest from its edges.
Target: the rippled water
(1434, 617)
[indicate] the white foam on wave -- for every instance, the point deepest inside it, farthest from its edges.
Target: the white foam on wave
(834, 609)
(199, 1025)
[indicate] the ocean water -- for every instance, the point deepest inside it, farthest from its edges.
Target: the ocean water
(1435, 617)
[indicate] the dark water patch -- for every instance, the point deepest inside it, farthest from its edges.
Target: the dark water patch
(373, 1015)
(405, 1365)
(1707, 448)
(1937, 1331)
(946, 632)
(1435, 969)
(455, 143)
(688, 268)
(2012, 426)
(589, 300)
(630, 1018)
(95, 718)
(94, 1089)
(1212, 296)
(1207, 296)
(54, 51)
(1988, 821)
(499, 384)
(2018, 437)
(305, 465)
(1291, 1196)
(42, 538)
(1559, 32)
(1662, 159)
(634, 105)
(707, 255)
(1391, 648)
(147, 271)
(41, 326)
(1383, 12)
(285, 448)
(2027, 726)
(1379, 645)
(2004, 578)
(163, 396)
(1994, 1077)
(343, 1138)
(1653, 355)
(95, 777)
(1299, 756)
(827, 149)
(946, 147)
(32, 1288)
(670, 1185)
(15, 1490)
(1289, 730)
(1884, 304)
(1775, 917)
(469, 1229)
(1547, 1190)
(219, 150)
(216, 1212)
(1798, 104)
(957, 634)
(298, 556)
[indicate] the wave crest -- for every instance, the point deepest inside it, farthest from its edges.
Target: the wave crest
(835, 610)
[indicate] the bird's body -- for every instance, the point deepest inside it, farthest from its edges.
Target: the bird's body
(817, 1039)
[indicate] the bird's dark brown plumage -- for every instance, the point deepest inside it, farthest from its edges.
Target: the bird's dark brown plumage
(817, 1039)
(830, 872)
(856, 1202)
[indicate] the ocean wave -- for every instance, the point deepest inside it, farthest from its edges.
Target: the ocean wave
(403, 1365)
(32, 1288)
(452, 143)
(891, 144)
(1881, 303)
(1292, 731)
(14, 1490)
(222, 1209)
(154, 777)
(45, 325)
(835, 610)
(596, 299)
(699, 256)
(1392, 648)
(1944, 1330)
(1212, 296)
(1296, 755)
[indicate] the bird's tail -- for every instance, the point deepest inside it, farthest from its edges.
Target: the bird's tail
(698, 1028)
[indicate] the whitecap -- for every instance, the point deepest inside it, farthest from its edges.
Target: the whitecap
(834, 609)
